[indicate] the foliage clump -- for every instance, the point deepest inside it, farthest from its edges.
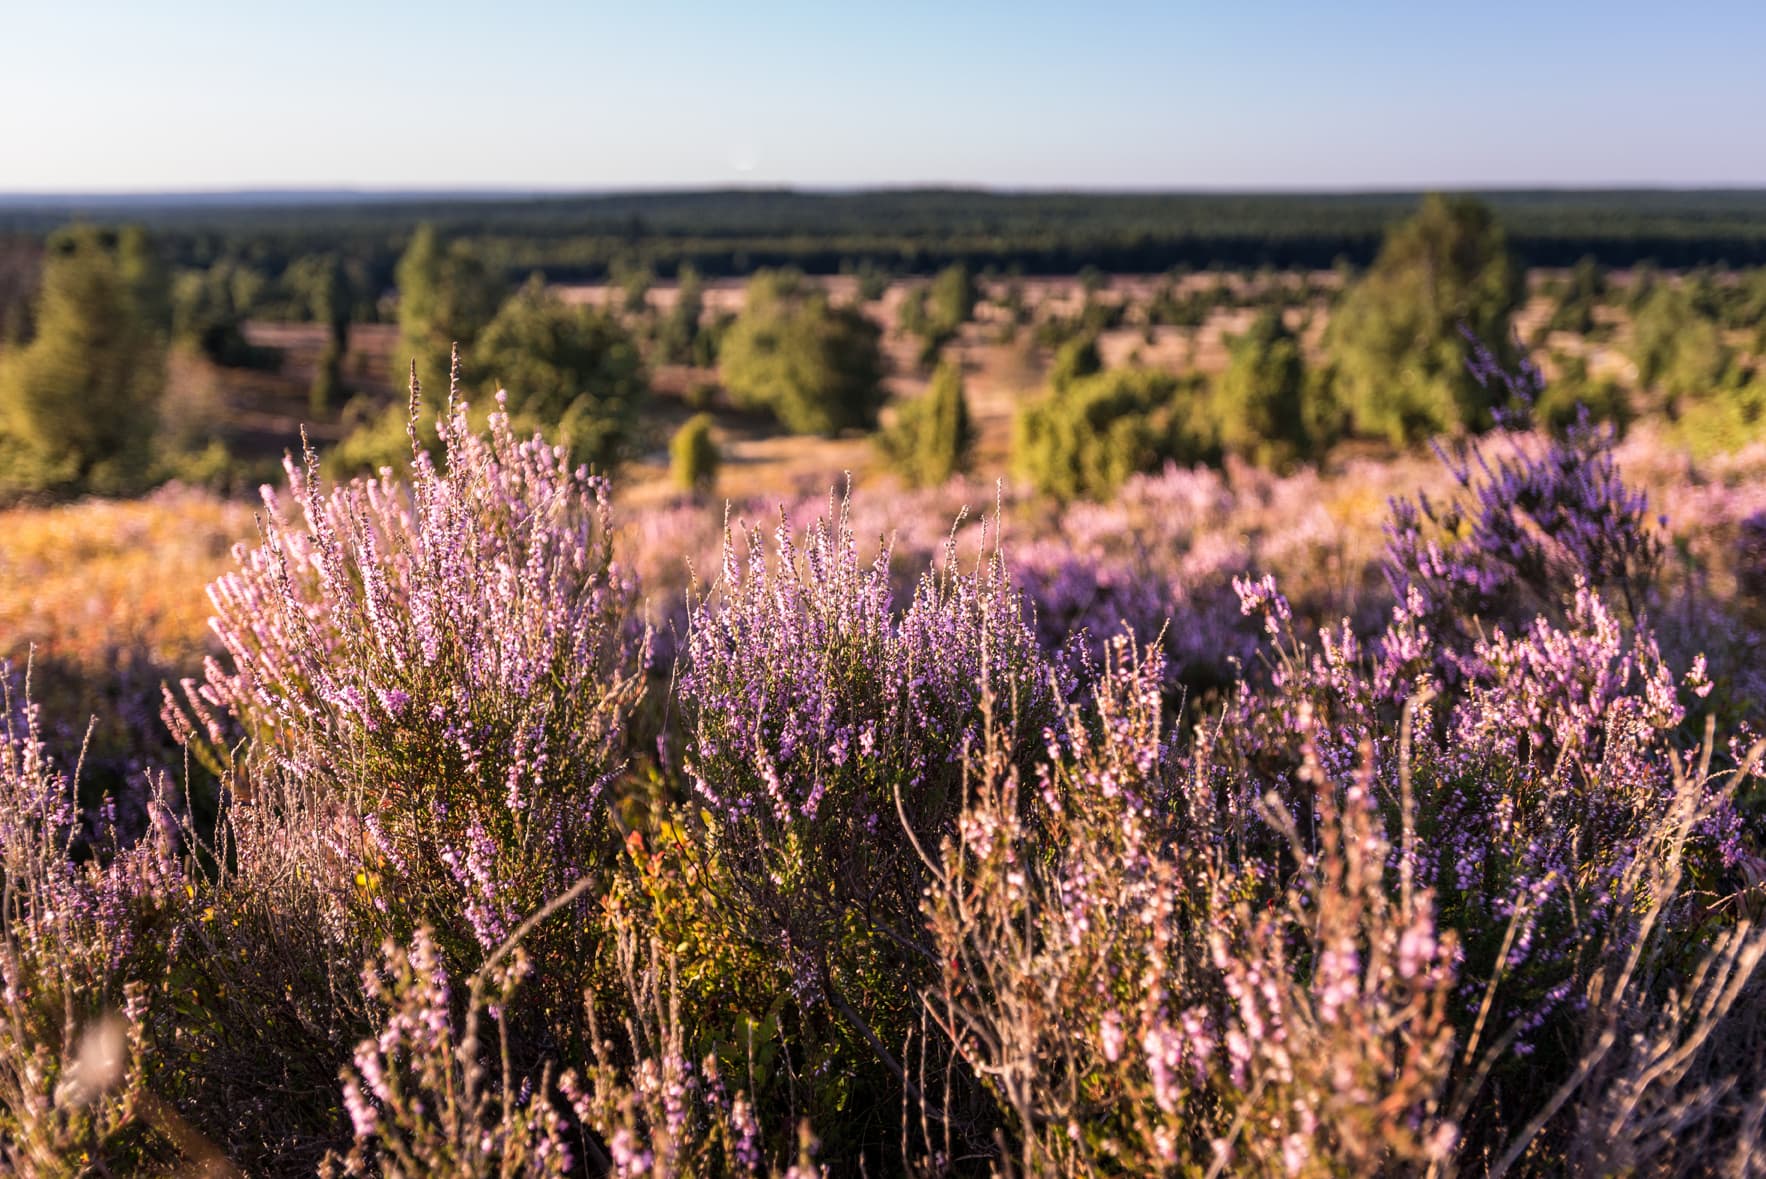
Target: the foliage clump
(933, 435)
(693, 455)
(1084, 438)
(573, 373)
(1269, 407)
(1399, 337)
(79, 404)
(815, 367)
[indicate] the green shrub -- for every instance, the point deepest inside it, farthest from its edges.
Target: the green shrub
(571, 372)
(1265, 403)
(817, 368)
(1075, 359)
(1679, 352)
(694, 457)
(933, 435)
(1084, 439)
(79, 404)
(1562, 402)
(446, 297)
(1398, 338)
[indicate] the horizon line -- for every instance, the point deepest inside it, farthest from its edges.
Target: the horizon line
(467, 192)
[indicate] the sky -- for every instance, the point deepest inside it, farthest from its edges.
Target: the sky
(177, 95)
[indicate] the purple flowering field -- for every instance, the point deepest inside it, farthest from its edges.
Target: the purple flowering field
(1403, 820)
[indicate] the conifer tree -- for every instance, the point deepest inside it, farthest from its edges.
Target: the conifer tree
(932, 438)
(1399, 338)
(79, 405)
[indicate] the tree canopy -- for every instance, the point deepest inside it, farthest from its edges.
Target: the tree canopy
(79, 403)
(1398, 339)
(572, 372)
(816, 367)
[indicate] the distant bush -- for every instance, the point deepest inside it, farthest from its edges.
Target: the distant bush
(933, 434)
(447, 294)
(1399, 337)
(1562, 403)
(678, 337)
(1679, 352)
(1075, 359)
(817, 368)
(1584, 292)
(573, 373)
(693, 456)
(209, 308)
(1265, 404)
(79, 403)
(1082, 440)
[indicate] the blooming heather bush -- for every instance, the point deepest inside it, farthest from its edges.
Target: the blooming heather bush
(1524, 533)
(818, 717)
(419, 1100)
(1106, 970)
(454, 658)
(87, 928)
(1454, 869)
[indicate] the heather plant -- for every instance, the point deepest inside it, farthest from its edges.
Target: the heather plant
(817, 715)
(419, 1095)
(1552, 780)
(454, 659)
(88, 930)
(658, 1110)
(1452, 865)
(1524, 534)
(1130, 1007)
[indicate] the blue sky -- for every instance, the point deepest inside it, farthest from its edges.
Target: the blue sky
(199, 94)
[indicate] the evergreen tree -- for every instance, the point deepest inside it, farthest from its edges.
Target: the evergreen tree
(1262, 398)
(1398, 338)
(933, 436)
(321, 285)
(79, 404)
(1086, 437)
(1076, 359)
(573, 372)
(446, 296)
(953, 297)
(815, 367)
(693, 456)
(679, 333)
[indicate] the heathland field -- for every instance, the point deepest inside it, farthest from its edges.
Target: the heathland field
(902, 720)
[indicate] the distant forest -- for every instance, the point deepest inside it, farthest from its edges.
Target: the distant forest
(721, 233)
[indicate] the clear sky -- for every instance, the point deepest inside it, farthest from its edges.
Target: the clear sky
(203, 94)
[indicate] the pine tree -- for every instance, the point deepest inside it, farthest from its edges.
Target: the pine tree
(694, 456)
(1399, 337)
(446, 296)
(1261, 400)
(79, 404)
(934, 435)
